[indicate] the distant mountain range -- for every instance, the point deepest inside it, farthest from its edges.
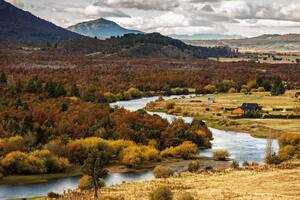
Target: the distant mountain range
(206, 36)
(263, 43)
(19, 25)
(101, 28)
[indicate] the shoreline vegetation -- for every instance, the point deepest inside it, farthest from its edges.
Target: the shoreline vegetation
(175, 163)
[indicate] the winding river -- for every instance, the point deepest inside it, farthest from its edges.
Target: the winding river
(241, 146)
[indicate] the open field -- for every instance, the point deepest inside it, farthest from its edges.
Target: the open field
(216, 111)
(233, 100)
(265, 185)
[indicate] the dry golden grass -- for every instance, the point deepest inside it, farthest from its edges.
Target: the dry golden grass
(245, 184)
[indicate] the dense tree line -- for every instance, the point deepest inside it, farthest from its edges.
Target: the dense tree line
(96, 76)
(66, 128)
(275, 85)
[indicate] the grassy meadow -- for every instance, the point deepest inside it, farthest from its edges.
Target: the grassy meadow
(266, 184)
(216, 111)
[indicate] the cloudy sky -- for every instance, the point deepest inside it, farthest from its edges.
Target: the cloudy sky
(245, 17)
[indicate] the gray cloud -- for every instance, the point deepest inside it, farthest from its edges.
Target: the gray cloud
(208, 8)
(162, 5)
(246, 17)
(97, 11)
(270, 11)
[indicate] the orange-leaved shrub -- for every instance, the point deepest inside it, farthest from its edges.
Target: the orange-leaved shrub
(7, 145)
(163, 171)
(36, 162)
(161, 193)
(289, 146)
(185, 150)
(136, 155)
(119, 145)
(194, 166)
(85, 183)
(186, 196)
(221, 154)
(79, 149)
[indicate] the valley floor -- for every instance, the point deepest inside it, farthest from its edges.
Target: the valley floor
(244, 184)
(217, 117)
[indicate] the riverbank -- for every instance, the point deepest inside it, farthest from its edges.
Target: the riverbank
(39, 178)
(216, 110)
(260, 183)
(177, 164)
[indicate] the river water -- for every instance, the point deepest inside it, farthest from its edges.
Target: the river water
(241, 146)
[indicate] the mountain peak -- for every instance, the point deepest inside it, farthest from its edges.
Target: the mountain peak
(103, 20)
(101, 28)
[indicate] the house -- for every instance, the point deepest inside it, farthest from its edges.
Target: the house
(251, 107)
(247, 107)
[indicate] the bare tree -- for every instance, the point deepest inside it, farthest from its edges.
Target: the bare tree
(269, 149)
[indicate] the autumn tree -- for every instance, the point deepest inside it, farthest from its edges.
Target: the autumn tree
(94, 166)
(210, 89)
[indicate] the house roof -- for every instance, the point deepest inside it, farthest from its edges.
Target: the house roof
(250, 106)
(238, 111)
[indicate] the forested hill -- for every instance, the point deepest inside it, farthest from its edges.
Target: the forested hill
(263, 43)
(17, 25)
(144, 45)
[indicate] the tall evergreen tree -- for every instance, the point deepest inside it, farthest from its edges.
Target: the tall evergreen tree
(54, 89)
(75, 91)
(60, 90)
(278, 87)
(34, 85)
(91, 96)
(50, 88)
(94, 166)
(64, 106)
(3, 78)
(19, 87)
